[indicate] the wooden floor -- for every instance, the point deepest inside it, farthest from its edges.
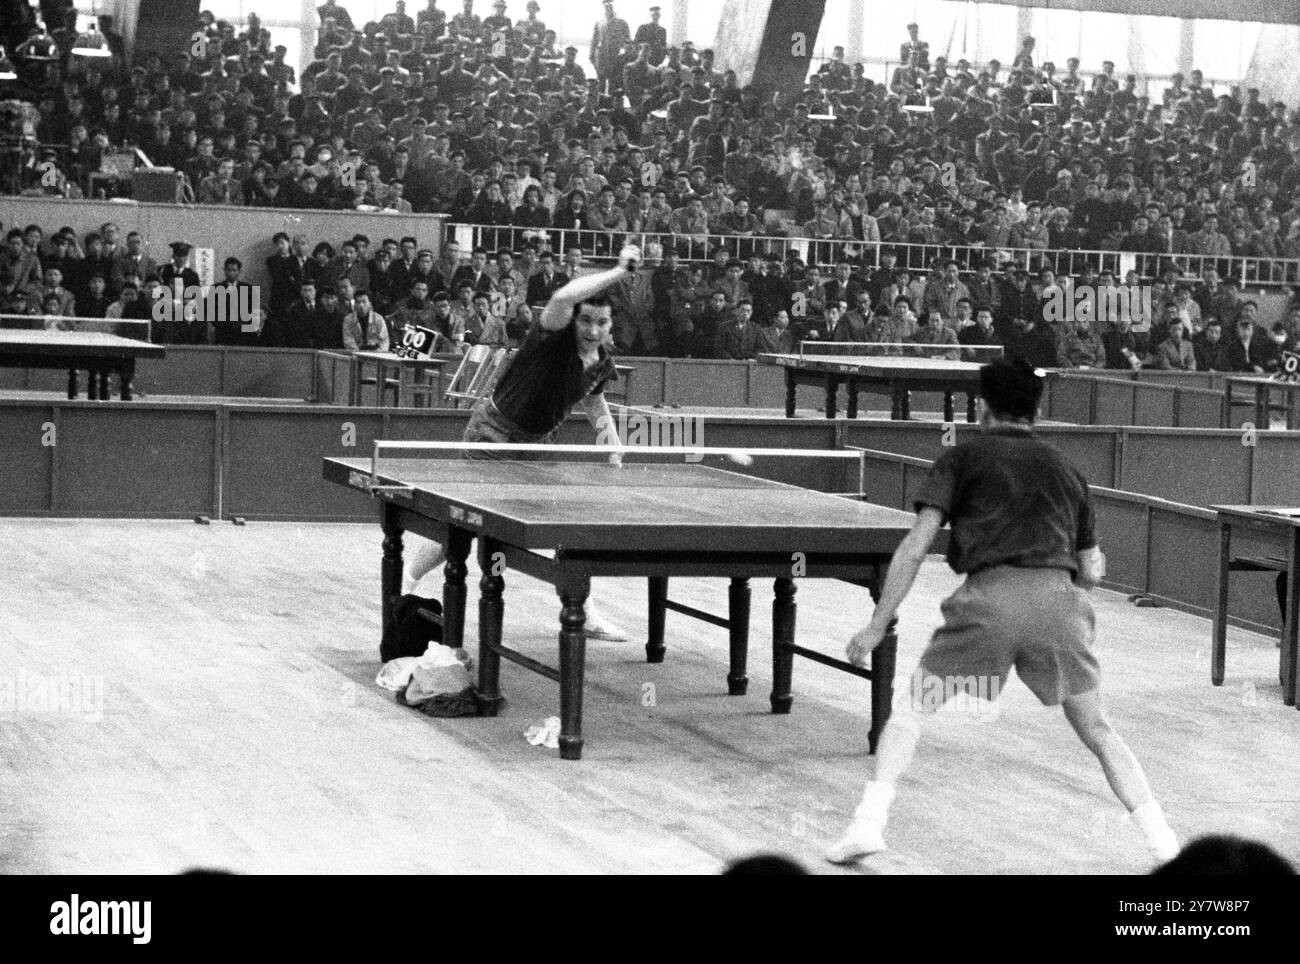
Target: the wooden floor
(241, 728)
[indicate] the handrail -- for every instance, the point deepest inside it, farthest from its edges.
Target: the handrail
(602, 244)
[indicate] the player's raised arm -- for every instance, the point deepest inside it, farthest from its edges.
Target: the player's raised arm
(558, 312)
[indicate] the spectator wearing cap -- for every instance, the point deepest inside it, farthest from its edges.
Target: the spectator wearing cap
(177, 276)
(653, 37)
(134, 258)
(608, 39)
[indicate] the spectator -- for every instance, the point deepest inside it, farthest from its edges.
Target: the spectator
(1210, 349)
(1081, 347)
(776, 338)
(979, 334)
(1033, 341)
(363, 328)
(739, 338)
(708, 326)
(1126, 349)
(221, 187)
(1175, 353)
(930, 330)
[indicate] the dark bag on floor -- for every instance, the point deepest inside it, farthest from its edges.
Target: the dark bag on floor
(414, 627)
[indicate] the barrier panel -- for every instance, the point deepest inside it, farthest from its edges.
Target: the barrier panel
(1194, 468)
(1153, 405)
(266, 372)
(1112, 402)
(28, 437)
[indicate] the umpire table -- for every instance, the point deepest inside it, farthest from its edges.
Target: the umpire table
(564, 522)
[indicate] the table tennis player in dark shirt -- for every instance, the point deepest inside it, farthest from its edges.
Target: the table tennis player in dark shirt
(1023, 536)
(564, 361)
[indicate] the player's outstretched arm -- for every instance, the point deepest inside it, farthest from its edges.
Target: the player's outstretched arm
(558, 312)
(596, 408)
(903, 567)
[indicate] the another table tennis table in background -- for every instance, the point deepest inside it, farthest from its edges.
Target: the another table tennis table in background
(655, 520)
(891, 375)
(94, 351)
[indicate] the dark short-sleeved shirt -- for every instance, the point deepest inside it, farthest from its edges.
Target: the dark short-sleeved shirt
(546, 379)
(1011, 500)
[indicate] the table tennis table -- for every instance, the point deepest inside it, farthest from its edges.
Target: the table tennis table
(94, 351)
(890, 375)
(565, 522)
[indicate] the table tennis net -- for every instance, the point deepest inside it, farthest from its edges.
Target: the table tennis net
(139, 329)
(639, 451)
(861, 349)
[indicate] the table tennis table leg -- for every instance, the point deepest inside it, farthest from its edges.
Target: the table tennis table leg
(654, 647)
(390, 573)
(491, 608)
(738, 597)
(851, 403)
(949, 413)
(72, 384)
(1291, 624)
(126, 375)
(791, 389)
(783, 621)
(573, 592)
(453, 587)
(832, 395)
(970, 407)
(1219, 644)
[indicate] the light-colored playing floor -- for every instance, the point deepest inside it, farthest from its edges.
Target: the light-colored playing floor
(239, 727)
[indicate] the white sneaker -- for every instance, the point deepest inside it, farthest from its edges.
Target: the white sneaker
(598, 628)
(861, 839)
(1164, 849)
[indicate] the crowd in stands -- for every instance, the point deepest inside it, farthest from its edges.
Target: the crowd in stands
(486, 120)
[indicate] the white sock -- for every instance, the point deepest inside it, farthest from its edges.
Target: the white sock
(1160, 839)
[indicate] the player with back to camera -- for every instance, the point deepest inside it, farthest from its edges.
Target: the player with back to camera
(1022, 534)
(564, 361)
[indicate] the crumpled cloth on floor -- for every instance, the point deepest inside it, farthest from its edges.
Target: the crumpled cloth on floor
(547, 734)
(445, 704)
(440, 670)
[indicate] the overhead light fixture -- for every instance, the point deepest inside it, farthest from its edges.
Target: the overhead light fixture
(40, 46)
(91, 43)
